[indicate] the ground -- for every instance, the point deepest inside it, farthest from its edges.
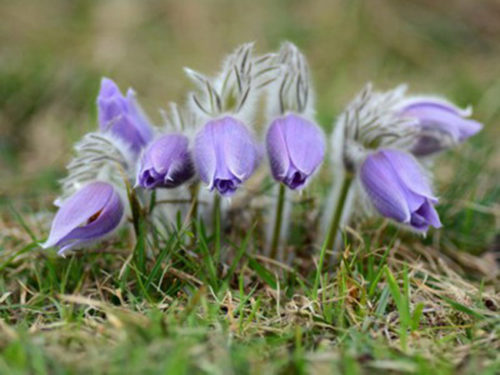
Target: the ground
(393, 302)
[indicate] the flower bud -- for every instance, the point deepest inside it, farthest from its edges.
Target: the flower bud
(441, 124)
(399, 190)
(91, 213)
(296, 148)
(122, 115)
(166, 163)
(225, 154)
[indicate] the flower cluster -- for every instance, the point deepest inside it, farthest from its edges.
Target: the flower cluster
(216, 139)
(382, 141)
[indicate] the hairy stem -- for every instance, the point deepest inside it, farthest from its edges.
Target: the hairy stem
(277, 222)
(192, 215)
(334, 225)
(194, 192)
(217, 229)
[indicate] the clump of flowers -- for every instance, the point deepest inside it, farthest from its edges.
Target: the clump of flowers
(379, 144)
(256, 107)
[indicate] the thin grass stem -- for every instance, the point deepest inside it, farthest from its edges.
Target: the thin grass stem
(333, 229)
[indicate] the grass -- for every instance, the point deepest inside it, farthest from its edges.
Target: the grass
(172, 303)
(390, 305)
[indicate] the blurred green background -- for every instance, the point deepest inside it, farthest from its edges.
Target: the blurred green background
(53, 53)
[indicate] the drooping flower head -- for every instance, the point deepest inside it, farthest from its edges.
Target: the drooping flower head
(295, 144)
(166, 163)
(90, 214)
(441, 124)
(296, 148)
(372, 144)
(225, 154)
(399, 190)
(98, 157)
(370, 122)
(122, 115)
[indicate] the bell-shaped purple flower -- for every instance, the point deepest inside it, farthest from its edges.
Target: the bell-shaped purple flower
(88, 215)
(122, 115)
(225, 154)
(442, 125)
(399, 190)
(166, 163)
(296, 148)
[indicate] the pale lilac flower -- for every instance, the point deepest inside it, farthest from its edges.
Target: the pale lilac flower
(166, 163)
(88, 215)
(122, 115)
(296, 148)
(225, 154)
(399, 190)
(442, 125)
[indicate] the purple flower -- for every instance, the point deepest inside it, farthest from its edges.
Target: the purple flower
(442, 125)
(88, 215)
(166, 163)
(225, 154)
(399, 190)
(122, 115)
(296, 148)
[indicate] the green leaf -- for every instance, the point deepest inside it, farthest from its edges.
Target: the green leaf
(263, 273)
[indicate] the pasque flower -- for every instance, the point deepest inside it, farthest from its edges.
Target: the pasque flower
(122, 115)
(296, 148)
(88, 215)
(399, 190)
(166, 163)
(225, 154)
(442, 125)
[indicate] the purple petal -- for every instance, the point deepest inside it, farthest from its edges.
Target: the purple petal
(108, 88)
(429, 212)
(226, 187)
(399, 189)
(425, 216)
(277, 150)
(148, 179)
(430, 144)
(384, 188)
(413, 201)
(104, 222)
(296, 148)
(225, 154)
(122, 116)
(166, 163)
(204, 155)
(425, 104)
(90, 213)
(305, 143)
(124, 127)
(240, 150)
(142, 122)
(110, 103)
(108, 110)
(295, 179)
(468, 128)
(166, 149)
(409, 171)
(440, 122)
(438, 117)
